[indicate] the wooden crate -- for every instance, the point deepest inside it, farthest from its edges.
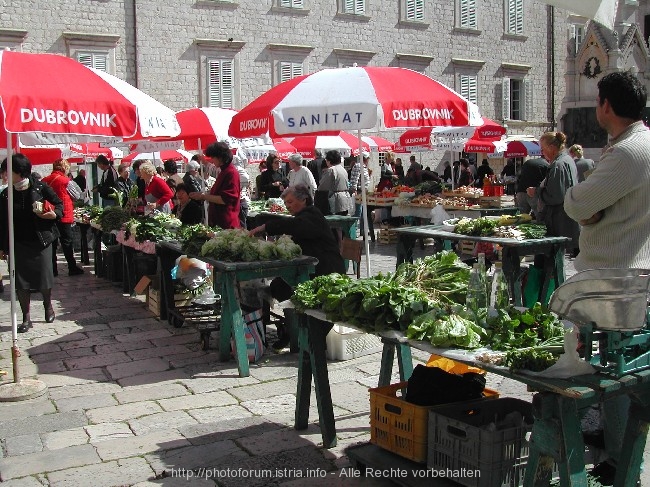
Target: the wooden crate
(154, 300)
(466, 247)
(387, 236)
(497, 201)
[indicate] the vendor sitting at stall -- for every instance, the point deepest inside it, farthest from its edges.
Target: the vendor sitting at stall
(310, 230)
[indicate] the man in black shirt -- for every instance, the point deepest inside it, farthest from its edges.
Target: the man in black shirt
(533, 172)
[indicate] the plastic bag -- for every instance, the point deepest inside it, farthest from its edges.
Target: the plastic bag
(569, 364)
(439, 215)
(191, 272)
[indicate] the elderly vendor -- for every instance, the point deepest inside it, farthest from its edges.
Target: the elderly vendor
(310, 231)
(308, 228)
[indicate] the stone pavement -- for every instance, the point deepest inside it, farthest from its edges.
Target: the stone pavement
(133, 401)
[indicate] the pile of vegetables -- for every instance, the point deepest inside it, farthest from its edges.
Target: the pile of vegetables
(237, 246)
(454, 327)
(375, 304)
(428, 187)
(478, 227)
(153, 228)
(112, 218)
(192, 237)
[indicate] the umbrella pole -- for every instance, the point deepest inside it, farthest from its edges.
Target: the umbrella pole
(205, 203)
(19, 389)
(364, 207)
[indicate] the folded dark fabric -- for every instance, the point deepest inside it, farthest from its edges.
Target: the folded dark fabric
(430, 386)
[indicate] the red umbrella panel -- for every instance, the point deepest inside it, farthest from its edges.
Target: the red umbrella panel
(257, 153)
(174, 155)
(522, 148)
(488, 130)
(344, 142)
(378, 144)
(203, 126)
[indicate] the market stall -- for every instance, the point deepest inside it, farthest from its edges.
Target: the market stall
(512, 251)
(225, 278)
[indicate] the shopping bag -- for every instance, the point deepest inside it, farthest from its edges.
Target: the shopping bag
(253, 335)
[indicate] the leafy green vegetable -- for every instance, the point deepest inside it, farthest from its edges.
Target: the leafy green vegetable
(513, 329)
(534, 359)
(532, 230)
(112, 218)
(237, 245)
(478, 227)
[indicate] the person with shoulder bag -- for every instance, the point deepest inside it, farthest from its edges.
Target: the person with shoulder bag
(108, 181)
(59, 182)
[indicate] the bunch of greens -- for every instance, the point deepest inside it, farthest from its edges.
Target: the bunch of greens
(455, 327)
(442, 276)
(112, 218)
(532, 230)
(192, 237)
(375, 304)
(256, 206)
(535, 359)
(166, 220)
(478, 227)
(238, 246)
(428, 187)
(94, 211)
(512, 329)
(149, 228)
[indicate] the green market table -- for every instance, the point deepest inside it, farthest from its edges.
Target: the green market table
(346, 223)
(513, 250)
(225, 277)
(558, 404)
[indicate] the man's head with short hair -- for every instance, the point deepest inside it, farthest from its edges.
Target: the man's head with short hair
(295, 160)
(193, 166)
(102, 161)
(170, 167)
(625, 93)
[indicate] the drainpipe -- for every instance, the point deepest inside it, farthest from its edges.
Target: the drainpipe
(552, 27)
(135, 43)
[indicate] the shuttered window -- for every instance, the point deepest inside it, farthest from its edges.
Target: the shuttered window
(577, 33)
(469, 87)
(517, 99)
(221, 83)
(415, 10)
(468, 14)
(356, 7)
(515, 17)
(289, 70)
(291, 3)
(96, 60)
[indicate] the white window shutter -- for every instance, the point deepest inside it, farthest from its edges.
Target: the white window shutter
(414, 9)
(515, 16)
(100, 62)
(291, 3)
(468, 14)
(221, 83)
(360, 7)
(348, 6)
(85, 58)
(505, 99)
(527, 91)
(289, 70)
(469, 87)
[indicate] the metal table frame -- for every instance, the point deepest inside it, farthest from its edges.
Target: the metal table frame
(225, 278)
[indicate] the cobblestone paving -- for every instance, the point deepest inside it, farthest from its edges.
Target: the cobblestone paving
(134, 401)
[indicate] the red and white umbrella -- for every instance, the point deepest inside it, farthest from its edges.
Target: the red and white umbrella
(355, 98)
(203, 126)
(55, 99)
(165, 155)
(455, 136)
(74, 103)
(344, 142)
(260, 150)
(378, 144)
(520, 148)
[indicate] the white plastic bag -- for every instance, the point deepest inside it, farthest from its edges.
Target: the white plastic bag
(439, 215)
(191, 272)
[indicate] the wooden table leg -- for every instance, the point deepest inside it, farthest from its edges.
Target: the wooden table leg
(387, 357)
(404, 360)
(232, 325)
(636, 433)
(313, 361)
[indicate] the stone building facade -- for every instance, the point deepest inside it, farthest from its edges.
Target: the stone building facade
(507, 55)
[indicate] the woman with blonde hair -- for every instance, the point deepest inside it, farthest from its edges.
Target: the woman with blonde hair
(157, 192)
(58, 181)
(562, 175)
(582, 165)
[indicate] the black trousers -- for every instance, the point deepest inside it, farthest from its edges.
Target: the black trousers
(65, 237)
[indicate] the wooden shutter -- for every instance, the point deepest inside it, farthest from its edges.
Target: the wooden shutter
(505, 99)
(414, 9)
(357, 7)
(515, 16)
(96, 60)
(468, 14)
(221, 83)
(527, 103)
(469, 87)
(291, 3)
(289, 70)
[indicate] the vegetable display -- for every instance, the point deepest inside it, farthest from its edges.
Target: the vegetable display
(192, 237)
(153, 228)
(112, 218)
(237, 245)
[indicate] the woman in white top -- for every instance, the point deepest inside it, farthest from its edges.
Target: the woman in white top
(300, 174)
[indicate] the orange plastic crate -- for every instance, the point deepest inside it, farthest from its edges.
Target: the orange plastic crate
(399, 426)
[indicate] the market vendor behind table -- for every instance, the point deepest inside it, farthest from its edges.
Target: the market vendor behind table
(308, 228)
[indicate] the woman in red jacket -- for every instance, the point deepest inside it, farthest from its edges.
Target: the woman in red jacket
(157, 192)
(58, 181)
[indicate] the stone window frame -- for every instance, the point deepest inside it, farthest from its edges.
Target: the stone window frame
(287, 53)
(350, 57)
(301, 6)
(416, 62)
(403, 14)
(80, 43)
(12, 39)
(468, 68)
(516, 72)
(459, 17)
(342, 8)
(218, 50)
(508, 32)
